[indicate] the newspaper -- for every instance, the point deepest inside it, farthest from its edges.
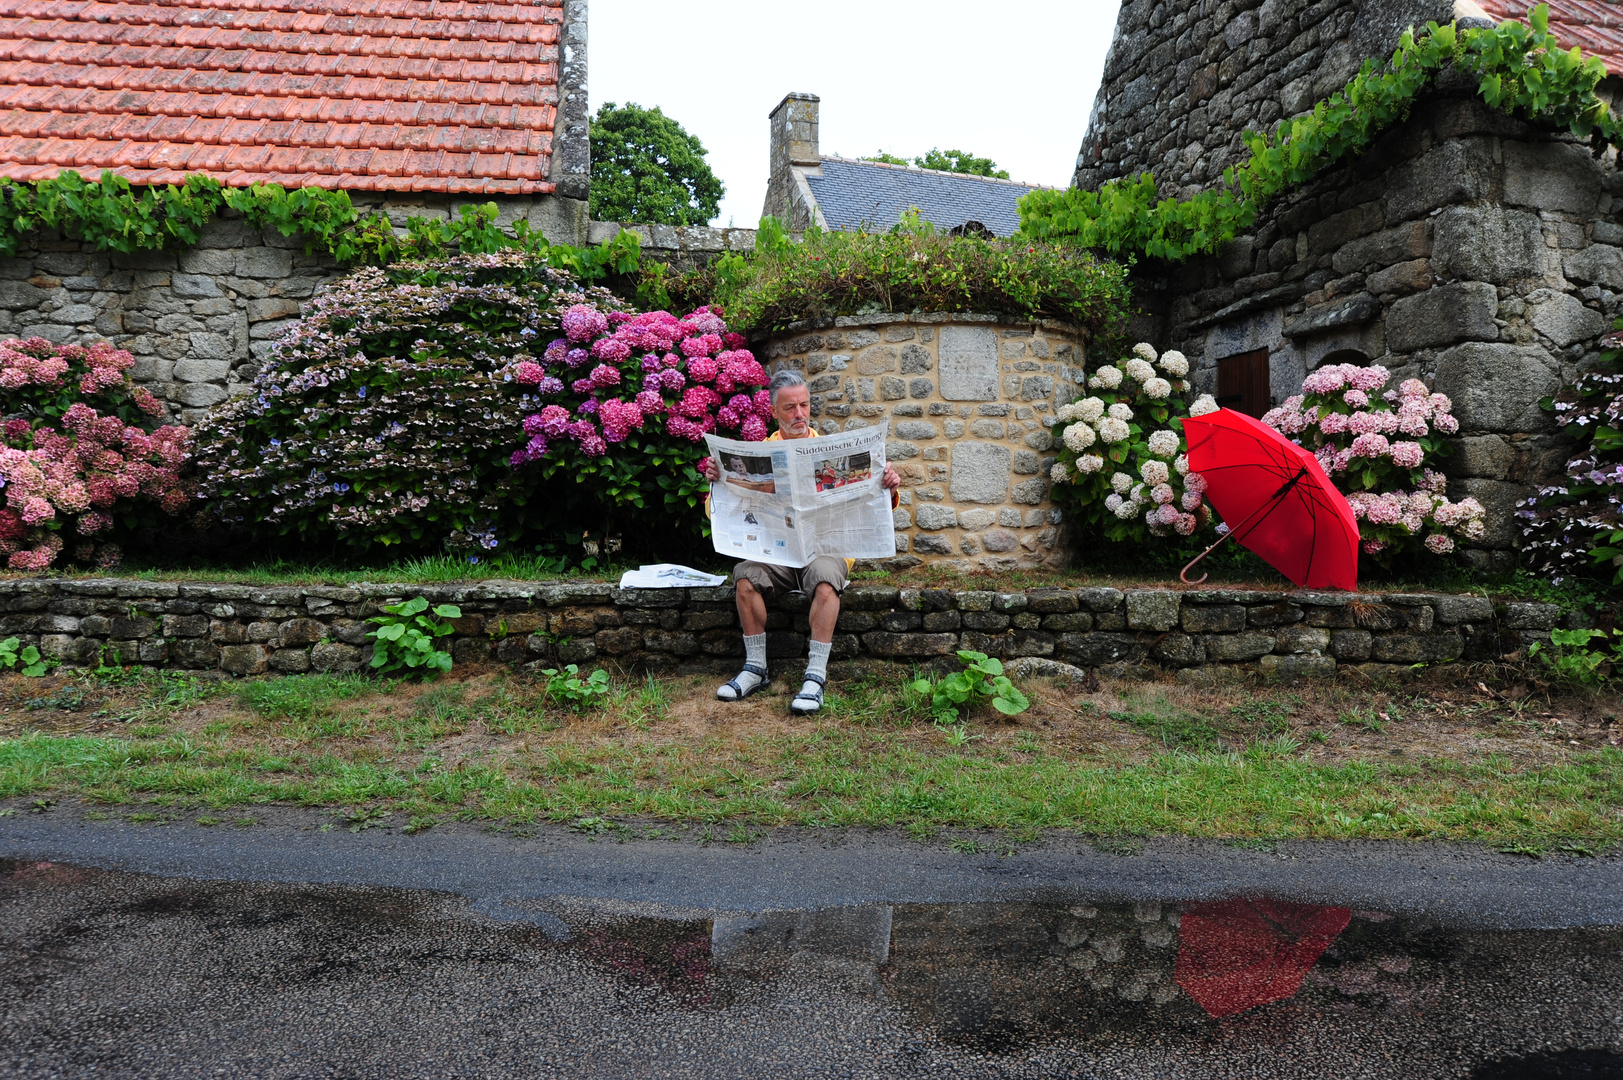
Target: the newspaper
(789, 501)
(668, 576)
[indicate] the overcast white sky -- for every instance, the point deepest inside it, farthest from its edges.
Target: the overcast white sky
(1012, 80)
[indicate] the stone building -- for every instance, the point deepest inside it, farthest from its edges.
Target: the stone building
(807, 187)
(1465, 247)
(413, 107)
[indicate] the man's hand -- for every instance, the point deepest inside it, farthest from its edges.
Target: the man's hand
(892, 479)
(709, 469)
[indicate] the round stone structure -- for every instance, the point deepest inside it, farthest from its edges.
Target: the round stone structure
(970, 400)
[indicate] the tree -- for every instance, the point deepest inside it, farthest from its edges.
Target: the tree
(886, 159)
(647, 169)
(961, 161)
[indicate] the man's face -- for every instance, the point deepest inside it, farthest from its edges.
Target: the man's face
(792, 409)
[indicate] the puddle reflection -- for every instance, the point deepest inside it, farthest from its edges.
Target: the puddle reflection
(1250, 986)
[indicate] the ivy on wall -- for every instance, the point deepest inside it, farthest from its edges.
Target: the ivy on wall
(111, 214)
(1519, 67)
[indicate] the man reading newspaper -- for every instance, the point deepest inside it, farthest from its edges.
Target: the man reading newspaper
(823, 579)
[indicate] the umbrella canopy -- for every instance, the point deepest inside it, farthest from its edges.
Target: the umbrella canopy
(1276, 499)
(1237, 954)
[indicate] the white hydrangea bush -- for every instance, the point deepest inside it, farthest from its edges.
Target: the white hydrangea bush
(1122, 470)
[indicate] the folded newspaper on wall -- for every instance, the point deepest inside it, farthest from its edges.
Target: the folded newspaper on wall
(791, 500)
(669, 576)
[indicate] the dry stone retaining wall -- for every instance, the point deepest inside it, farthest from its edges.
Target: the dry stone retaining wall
(970, 400)
(249, 630)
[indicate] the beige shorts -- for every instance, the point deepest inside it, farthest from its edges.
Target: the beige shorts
(772, 581)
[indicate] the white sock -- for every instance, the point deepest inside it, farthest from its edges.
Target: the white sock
(817, 658)
(816, 664)
(755, 656)
(755, 650)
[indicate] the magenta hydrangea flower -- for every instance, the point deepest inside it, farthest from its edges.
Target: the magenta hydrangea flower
(603, 376)
(549, 385)
(554, 420)
(528, 372)
(610, 350)
(583, 323)
(763, 402)
(650, 363)
(754, 429)
(583, 386)
(672, 379)
(577, 357)
(649, 401)
(727, 417)
(555, 352)
(703, 369)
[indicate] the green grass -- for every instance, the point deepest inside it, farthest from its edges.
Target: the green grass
(834, 777)
(304, 697)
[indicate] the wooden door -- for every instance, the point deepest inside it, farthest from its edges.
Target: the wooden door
(1242, 383)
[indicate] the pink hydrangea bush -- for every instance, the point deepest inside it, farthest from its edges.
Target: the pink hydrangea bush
(41, 379)
(615, 375)
(1375, 445)
(1122, 467)
(73, 474)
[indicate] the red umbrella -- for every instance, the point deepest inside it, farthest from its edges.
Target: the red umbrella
(1237, 954)
(1276, 500)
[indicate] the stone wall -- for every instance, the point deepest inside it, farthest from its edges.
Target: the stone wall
(682, 247)
(249, 630)
(970, 399)
(201, 320)
(1467, 249)
(1186, 78)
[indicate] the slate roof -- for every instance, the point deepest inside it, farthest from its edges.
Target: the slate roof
(852, 194)
(1595, 26)
(389, 95)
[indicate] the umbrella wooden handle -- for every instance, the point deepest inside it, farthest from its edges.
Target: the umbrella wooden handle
(1183, 575)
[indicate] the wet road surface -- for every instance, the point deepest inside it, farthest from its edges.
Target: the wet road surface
(1026, 966)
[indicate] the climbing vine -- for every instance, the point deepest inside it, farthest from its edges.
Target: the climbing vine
(1519, 68)
(111, 214)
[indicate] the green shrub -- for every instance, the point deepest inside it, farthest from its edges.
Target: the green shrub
(567, 687)
(981, 681)
(913, 268)
(405, 637)
(28, 656)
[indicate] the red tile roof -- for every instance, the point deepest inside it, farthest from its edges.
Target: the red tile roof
(386, 95)
(1595, 26)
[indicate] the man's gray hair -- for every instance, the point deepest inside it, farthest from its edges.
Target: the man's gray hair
(783, 380)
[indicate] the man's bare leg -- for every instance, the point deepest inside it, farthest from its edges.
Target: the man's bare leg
(752, 619)
(752, 610)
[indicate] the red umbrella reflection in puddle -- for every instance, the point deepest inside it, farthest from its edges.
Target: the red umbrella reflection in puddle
(1236, 954)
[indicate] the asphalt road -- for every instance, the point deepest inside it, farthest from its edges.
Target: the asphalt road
(285, 951)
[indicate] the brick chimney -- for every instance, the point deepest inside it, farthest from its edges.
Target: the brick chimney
(794, 142)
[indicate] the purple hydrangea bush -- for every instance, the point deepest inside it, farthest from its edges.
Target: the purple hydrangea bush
(1571, 526)
(437, 403)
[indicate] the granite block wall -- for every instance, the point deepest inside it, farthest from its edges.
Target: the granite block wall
(1185, 78)
(246, 630)
(970, 399)
(201, 320)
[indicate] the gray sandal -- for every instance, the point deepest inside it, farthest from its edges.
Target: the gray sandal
(814, 703)
(739, 692)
